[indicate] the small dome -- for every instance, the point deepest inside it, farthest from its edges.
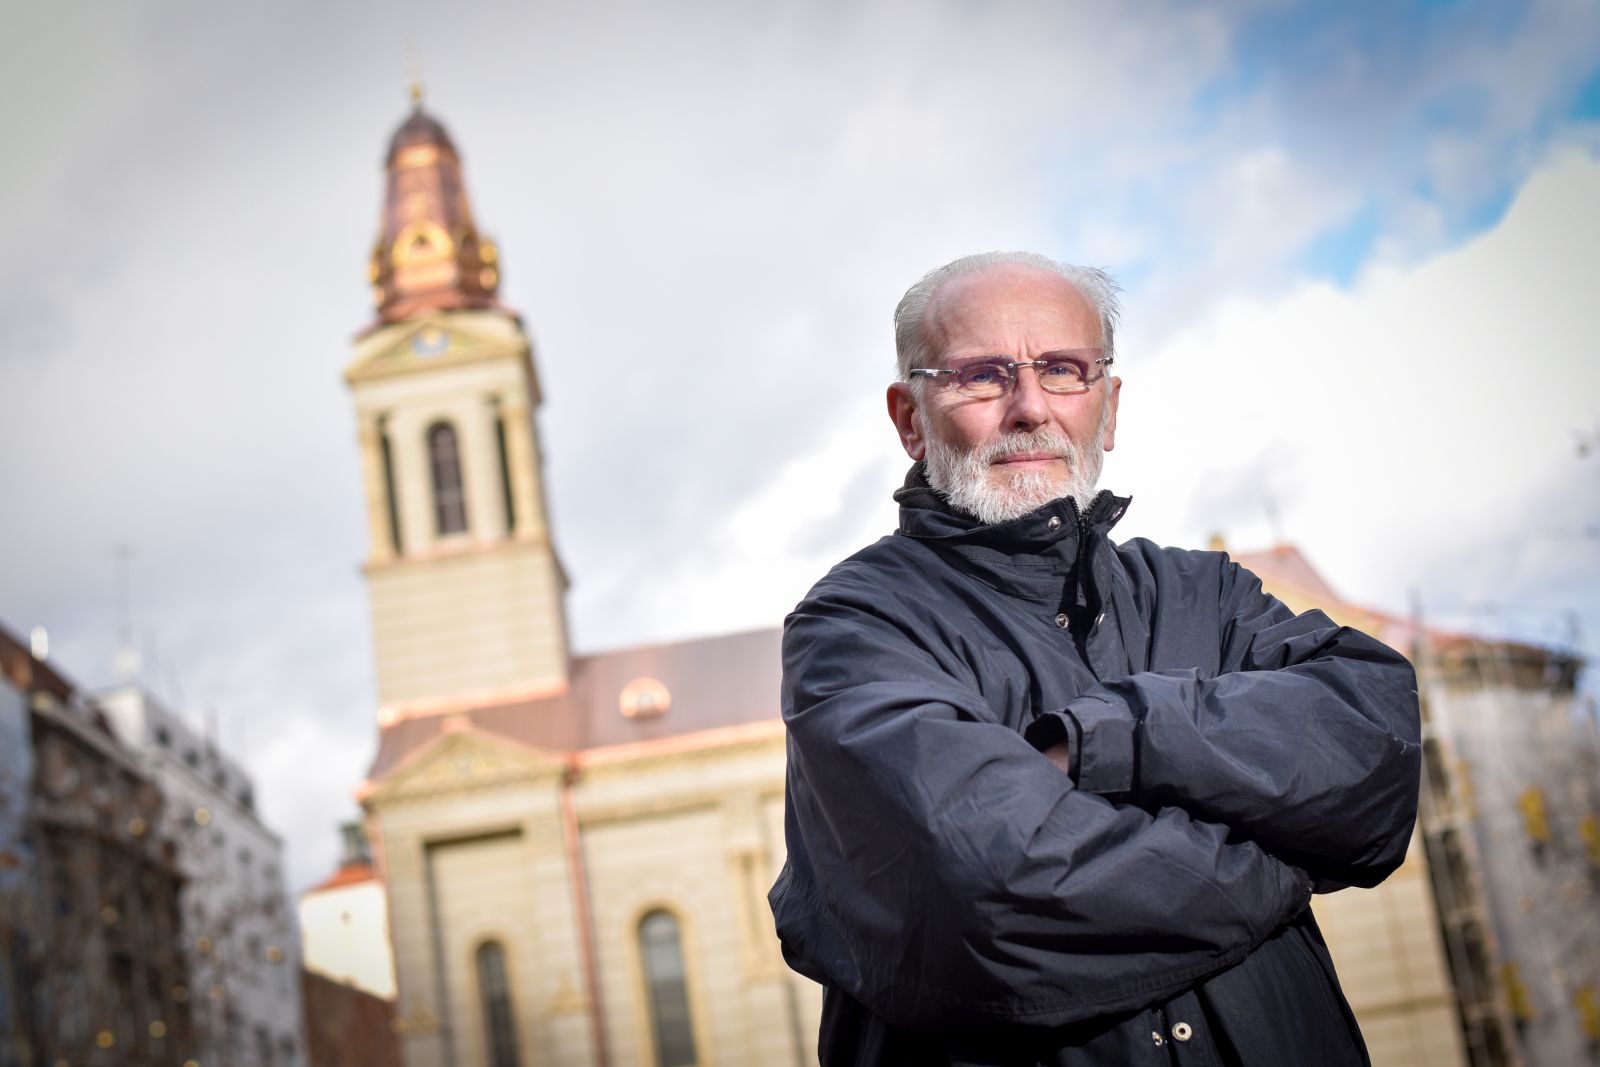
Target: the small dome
(419, 128)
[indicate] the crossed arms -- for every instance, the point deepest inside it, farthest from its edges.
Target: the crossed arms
(964, 878)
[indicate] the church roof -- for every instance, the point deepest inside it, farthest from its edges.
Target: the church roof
(621, 697)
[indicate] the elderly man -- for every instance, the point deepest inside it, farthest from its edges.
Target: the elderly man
(1051, 799)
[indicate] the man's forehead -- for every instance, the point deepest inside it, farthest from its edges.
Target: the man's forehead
(1005, 292)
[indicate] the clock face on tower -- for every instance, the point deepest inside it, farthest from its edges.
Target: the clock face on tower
(430, 341)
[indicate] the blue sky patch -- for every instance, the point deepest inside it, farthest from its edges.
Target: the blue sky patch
(1339, 253)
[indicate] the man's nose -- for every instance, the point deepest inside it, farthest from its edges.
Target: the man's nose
(1027, 404)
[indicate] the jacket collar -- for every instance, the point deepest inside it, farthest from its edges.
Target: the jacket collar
(1046, 539)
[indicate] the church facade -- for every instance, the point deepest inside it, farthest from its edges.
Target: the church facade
(576, 848)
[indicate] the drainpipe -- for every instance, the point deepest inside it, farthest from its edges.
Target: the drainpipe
(580, 909)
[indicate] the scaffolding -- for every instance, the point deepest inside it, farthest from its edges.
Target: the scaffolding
(1508, 813)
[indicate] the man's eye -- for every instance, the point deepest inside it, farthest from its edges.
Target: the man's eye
(984, 374)
(1061, 370)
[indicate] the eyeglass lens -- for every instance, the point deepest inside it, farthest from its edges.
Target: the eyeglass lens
(991, 378)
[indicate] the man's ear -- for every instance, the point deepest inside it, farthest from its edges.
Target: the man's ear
(903, 410)
(1109, 441)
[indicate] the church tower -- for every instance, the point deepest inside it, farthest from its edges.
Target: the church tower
(467, 593)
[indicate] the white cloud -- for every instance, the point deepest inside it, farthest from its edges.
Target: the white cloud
(1405, 426)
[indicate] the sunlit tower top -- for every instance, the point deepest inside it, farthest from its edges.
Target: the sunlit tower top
(429, 254)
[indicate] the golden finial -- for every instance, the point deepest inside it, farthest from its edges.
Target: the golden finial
(414, 72)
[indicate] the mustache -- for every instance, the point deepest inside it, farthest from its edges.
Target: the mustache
(1013, 444)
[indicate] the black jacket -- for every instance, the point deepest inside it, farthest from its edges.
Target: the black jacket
(964, 902)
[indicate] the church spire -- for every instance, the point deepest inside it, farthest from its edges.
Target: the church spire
(429, 254)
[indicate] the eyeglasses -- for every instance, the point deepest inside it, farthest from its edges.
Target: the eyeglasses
(1062, 373)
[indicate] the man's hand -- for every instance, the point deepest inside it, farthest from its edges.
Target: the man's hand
(1061, 755)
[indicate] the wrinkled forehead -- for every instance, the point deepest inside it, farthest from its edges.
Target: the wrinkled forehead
(1010, 308)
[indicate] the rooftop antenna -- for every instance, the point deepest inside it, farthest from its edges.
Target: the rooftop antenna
(174, 683)
(1270, 506)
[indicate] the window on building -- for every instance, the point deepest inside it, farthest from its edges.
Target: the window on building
(392, 502)
(64, 887)
(126, 1033)
(494, 991)
(508, 501)
(661, 949)
(163, 736)
(444, 460)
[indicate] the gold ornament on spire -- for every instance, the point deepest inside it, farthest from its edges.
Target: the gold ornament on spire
(414, 75)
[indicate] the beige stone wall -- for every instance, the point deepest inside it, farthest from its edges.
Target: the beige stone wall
(472, 850)
(466, 626)
(471, 840)
(1387, 949)
(694, 835)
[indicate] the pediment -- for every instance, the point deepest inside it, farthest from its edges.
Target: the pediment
(432, 341)
(464, 758)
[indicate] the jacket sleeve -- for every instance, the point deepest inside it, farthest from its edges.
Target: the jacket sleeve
(946, 875)
(1307, 741)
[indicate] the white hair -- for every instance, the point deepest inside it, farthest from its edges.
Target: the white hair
(910, 315)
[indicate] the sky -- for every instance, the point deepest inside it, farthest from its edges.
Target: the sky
(1360, 245)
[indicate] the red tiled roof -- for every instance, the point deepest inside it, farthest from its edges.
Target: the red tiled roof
(348, 874)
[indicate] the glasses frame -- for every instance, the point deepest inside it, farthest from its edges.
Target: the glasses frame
(1013, 366)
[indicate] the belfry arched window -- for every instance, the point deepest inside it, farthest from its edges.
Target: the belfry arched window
(661, 949)
(494, 996)
(444, 460)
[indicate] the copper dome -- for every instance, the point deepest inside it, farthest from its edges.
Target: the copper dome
(419, 128)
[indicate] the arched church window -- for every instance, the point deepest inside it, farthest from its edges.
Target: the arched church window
(661, 949)
(507, 499)
(494, 995)
(444, 459)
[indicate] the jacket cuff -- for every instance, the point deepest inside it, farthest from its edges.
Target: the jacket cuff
(1103, 759)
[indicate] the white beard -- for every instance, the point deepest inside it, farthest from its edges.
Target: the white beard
(994, 494)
